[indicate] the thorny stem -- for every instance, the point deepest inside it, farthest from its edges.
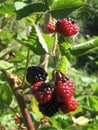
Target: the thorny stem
(4, 21)
(14, 83)
(27, 62)
(38, 18)
(2, 127)
(25, 112)
(54, 48)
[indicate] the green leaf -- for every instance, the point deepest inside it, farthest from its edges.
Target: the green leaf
(5, 51)
(5, 96)
(50, 2)
(36, 42)
(41, 40)
(62, 121)
(6, 119)
(93, 102)
(47, 128)
(62, 66)
(35, 116)
(20, 5)
(87, 45)
(72, 128)
(2, 1)
(64, 47)
(62, 8)
(19, 57)
(29, 9)
(49, 41)
(5, 65)
(78, 110)
(7, 8)
(84, 48)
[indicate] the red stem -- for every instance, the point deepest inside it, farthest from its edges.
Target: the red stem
(26, 116)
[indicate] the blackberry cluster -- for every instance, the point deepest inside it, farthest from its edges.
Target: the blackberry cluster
(35, 74)
(51, 99)
(49, 108)
(66, 27)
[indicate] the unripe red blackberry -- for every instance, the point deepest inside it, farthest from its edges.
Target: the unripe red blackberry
(50, 28)
(36, 85)
(44, 92)
(66, 27)
(35, 74)
(70, 105)
(64, 89)
(49, 108)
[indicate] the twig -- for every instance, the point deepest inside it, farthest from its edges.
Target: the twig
(28, 59)
(4, 21)
(2, 127)
(14, 83)
(54, 48)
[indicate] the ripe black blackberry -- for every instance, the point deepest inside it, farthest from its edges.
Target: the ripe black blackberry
(35, 74)
(43, 93)
(49, 108)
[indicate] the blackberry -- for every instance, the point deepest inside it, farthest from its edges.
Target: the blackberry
(50, 28)
(66, 27)
(49, 108)
(36, 85)
(44, 92)
(35, 74)
(70, 105)
(64, 89)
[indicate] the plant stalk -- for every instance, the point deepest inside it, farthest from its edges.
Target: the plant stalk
(15, 84)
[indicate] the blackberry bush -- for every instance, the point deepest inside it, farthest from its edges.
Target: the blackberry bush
(37, 33)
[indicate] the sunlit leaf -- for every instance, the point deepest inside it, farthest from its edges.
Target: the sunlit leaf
(41, 40)
(35, 116)
(84, 48)
(7, 9)
(62, 65)
(5, 65)
(81, 120)
(36, 42)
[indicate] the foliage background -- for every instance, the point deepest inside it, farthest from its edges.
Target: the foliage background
(17, 40)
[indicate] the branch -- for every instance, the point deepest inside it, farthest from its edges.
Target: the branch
(27, 62)
(54, 48)
(15, 83)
